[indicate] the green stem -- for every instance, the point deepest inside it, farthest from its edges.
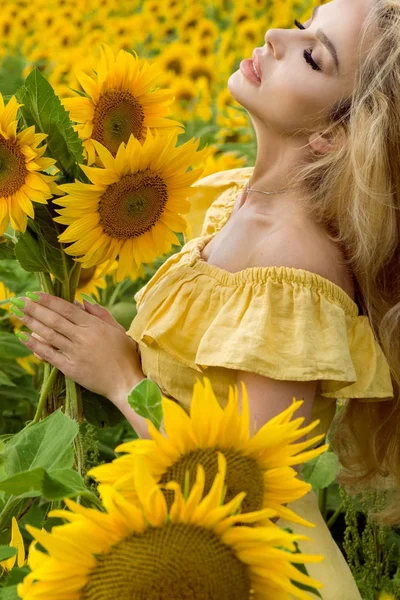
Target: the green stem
(115, 293)
(46, 283)
(335, 515)
(322, 499)
(46, 387)
(73, 401)
(74, 280)
(79, 458)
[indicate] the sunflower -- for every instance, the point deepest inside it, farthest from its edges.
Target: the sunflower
(260, 465)
(195, 550)
(119, 103)
(131, 207)
(20, 163)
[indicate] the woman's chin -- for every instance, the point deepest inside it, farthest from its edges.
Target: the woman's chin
(239, 86)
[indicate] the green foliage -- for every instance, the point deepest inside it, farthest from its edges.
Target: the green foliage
(53, 485)
(46, 445)
(15, 277)
(6, 248)
(7, 552)
(145, 399)
(42, 108)
(321, 471)
(11, 74)
(9, 593)
(99, 411)
(372, 549)
(10, 347)
(38, 249)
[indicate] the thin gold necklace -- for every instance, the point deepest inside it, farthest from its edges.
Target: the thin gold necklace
(266, 193)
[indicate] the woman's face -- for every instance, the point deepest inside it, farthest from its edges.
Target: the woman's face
(294, 93)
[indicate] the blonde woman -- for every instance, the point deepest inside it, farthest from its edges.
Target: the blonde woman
(292, 284)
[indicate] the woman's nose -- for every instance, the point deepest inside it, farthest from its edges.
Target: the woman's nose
(275, 43)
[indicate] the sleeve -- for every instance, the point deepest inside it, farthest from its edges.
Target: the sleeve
(297, 332)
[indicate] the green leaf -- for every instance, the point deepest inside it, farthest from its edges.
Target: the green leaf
(55, 485)
(9, 593)
(99, 411)
(4, 380)
(12, 369)
(146, 401)
(38, 249)
(43, 109)
(15, 576)
(28, 252)
(11, 347)
(321, 471)
(25, 390)
(46, 444)
(6, 249)
(7, 552)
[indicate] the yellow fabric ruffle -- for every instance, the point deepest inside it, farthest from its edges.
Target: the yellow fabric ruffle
(280, 322)
(209, 192)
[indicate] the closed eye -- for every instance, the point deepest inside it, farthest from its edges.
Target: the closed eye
(307, 53)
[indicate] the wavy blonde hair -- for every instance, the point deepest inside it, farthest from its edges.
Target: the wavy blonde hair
(354, 192)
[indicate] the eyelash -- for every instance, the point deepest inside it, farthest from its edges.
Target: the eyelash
(307, 53)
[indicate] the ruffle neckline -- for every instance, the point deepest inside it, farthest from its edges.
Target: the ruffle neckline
(274, 273)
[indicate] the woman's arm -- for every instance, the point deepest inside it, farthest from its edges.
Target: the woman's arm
(88, 346)
(269, 397)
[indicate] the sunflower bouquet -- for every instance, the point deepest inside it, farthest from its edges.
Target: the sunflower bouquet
(183, 519)
(91, 186)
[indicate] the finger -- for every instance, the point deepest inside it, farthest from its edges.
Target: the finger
(46, 334)
(67, 310)
(79, 304)
(35, 335)
(68, 322)
(102, 313)
(51, 355)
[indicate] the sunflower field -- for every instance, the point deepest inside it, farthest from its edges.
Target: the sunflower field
(110, 110)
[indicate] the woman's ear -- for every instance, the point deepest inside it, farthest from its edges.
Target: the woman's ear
(323, 144)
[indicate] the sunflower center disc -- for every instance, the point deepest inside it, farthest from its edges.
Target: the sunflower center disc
(12, 168)
(117, 116)
(176, 561)
(242, 475)
(131, 206)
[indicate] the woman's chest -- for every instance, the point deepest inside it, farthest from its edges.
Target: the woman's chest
(249, 240)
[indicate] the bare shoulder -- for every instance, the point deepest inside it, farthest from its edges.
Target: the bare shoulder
(309, 249)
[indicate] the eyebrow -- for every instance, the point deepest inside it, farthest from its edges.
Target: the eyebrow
(326, 41)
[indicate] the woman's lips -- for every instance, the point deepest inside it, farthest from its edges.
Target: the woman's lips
(256, 61)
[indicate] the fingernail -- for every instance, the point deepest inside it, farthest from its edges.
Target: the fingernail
(32, 296)
(17, 312)
(24, 337)
(88, 298)
(18, 302)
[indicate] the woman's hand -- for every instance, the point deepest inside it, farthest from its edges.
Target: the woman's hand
(88, 346)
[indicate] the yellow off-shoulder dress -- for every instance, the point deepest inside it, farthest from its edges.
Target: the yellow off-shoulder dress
(280, 322)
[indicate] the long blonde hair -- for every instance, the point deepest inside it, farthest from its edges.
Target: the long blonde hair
(354, 192)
